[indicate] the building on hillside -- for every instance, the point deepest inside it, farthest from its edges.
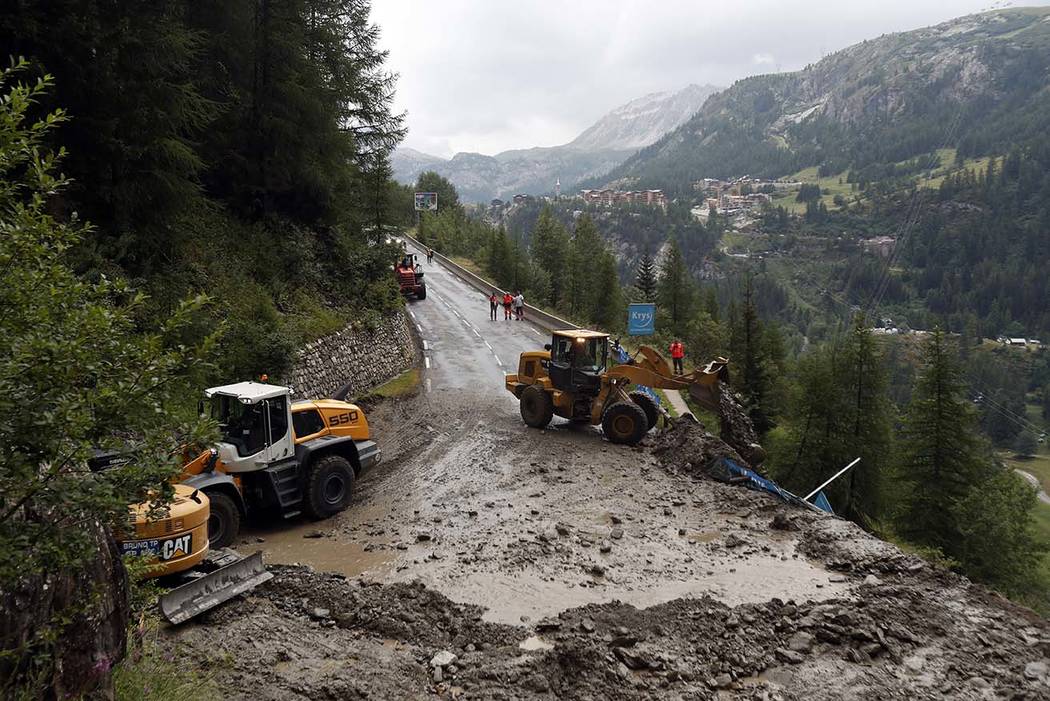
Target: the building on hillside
(881, 246)
(608, 197)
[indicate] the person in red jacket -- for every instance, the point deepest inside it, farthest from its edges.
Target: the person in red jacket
(507, 301)
(677, 354)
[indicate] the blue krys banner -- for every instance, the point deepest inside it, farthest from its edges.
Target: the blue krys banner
(641, 319)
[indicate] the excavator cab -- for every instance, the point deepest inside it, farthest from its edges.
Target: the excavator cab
(578, 360)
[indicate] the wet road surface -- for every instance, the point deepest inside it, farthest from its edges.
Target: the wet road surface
(529, 523)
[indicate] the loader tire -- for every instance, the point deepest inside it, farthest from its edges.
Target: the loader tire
(652, 411)
(224, 520)
(421, 293)
(329, 486)
(625, 422)
(537, 409)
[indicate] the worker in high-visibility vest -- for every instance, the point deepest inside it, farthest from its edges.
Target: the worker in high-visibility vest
(677, 354)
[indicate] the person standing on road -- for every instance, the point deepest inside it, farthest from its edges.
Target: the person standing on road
(677, 354)
(430, 256)
(493, 305)
(519, 306)
(507, 301)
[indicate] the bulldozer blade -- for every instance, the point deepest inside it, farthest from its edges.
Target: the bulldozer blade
(191, 599)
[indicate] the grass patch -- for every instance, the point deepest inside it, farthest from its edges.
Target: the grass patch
(666, 404)
(403, 385)
(1038, 465)
(154, 670)
(830, 186)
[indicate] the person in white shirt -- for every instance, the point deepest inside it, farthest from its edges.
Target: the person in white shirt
(519, 306)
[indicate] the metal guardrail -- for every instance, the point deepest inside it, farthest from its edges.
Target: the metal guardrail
(538, 317)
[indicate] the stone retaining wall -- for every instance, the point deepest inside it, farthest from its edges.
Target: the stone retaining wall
(363, 359)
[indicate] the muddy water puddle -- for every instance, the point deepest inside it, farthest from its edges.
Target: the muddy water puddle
(523, 597)
(330, 553)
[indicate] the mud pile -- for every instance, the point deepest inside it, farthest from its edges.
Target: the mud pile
(307, 635)
(687, 445)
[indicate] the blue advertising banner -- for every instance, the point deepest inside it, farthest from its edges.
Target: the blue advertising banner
(641, 319)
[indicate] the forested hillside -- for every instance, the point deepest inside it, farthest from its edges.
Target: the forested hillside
(976, 83)
(236, 149)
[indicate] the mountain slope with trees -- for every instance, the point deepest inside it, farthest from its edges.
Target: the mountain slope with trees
(977, 83)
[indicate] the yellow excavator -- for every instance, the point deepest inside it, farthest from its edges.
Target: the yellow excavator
(570, 378)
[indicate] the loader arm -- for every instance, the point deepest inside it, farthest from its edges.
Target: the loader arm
(651, 369)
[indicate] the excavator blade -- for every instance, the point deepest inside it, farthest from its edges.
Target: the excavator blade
(206, 592)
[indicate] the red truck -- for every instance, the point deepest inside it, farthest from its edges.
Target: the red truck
(410, 277)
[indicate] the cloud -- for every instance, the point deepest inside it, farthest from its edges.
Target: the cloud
(490, 76)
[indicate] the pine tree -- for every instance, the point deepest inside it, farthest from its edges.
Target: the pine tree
(748, 347)
(608, 311)
(645, 278)
(675, 291)
(580, 291)
(942, 456)
(870, 424)
(550, 248)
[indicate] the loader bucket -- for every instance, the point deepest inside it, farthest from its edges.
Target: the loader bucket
(184, 602)
(706, 394)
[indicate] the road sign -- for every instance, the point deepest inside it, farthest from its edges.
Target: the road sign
(426, 201)
(641, 319)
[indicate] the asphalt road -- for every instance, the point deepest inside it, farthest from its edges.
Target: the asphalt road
(463, 347)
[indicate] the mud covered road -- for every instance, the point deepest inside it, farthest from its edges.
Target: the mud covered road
(483, 559)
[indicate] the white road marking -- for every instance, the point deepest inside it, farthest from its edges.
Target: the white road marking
(497, 359)
(426, 345)
(475, 332)
(419, 328)
(535, 331)
(426, 361)
(411, 313)
(428, 384)
(488, 346)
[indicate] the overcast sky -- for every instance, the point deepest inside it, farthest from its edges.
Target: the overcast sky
(491, 75)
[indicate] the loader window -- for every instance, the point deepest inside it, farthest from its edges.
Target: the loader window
(278, 408)
(243, 425)
(590, 355)
(307, 422)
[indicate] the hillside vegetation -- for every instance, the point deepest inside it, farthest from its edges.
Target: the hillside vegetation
(975, 83)
(236, 149)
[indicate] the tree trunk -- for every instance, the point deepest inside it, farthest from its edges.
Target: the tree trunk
(93, 602)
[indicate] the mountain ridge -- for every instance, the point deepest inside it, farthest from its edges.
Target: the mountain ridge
(970, 82)
(595, 151)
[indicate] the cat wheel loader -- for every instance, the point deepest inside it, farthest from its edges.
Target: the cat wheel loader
(570, 379)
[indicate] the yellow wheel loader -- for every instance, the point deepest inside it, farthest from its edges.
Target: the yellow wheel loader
(277, 457)
(570, 379)
(274, 456)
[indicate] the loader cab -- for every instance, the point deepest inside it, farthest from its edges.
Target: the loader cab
(255, 421)
(578, 361)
